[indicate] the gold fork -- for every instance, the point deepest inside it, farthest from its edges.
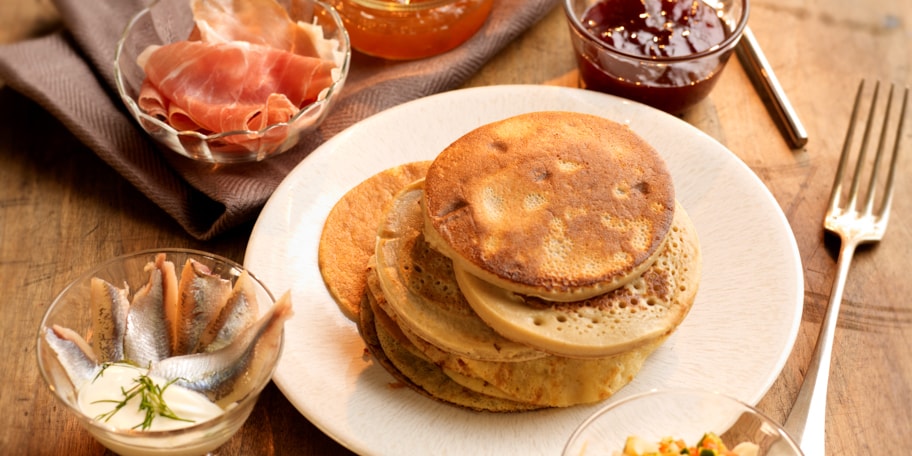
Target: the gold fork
(854, 226)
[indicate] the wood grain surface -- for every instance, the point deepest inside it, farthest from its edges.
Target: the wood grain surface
(63, 210)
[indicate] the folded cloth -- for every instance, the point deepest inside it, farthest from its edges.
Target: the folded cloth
(70, 74)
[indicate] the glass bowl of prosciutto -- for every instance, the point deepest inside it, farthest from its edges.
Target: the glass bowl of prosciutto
(680, 421)
(231, 81)
(162, 352)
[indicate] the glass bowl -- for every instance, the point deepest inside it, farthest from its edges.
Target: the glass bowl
(170, 21)
(405, 30)
(681, 414)
(72, 309)
(670, 80)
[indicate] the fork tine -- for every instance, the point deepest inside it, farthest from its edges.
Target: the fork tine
(884, 212)
(856, 179)
(836, 189)
(872, 183)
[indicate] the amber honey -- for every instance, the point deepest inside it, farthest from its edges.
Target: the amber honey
(403, 29)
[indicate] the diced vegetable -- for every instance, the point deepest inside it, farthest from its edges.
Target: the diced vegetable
(709, 445)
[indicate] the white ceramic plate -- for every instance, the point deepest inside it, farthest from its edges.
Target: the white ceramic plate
(735, 340)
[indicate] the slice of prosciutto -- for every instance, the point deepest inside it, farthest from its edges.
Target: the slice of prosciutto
(246, 65)
(219, 87)
(262, 22)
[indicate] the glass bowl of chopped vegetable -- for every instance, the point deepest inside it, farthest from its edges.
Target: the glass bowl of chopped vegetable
(162, 352)
(230, 81)
(674, 422)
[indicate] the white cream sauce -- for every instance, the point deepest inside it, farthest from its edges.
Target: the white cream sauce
(101, 395)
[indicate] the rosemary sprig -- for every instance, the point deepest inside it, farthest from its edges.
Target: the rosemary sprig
(151, 400)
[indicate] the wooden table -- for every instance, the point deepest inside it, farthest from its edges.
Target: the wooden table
(63, 210)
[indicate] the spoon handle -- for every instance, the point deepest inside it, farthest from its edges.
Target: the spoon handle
(761, 73)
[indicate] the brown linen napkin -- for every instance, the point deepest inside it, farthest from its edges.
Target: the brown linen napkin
(70, 74)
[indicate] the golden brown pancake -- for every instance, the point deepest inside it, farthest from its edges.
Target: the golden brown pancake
(560, 205)
(537, 263)
(649, 307)
(350, 232)
(550, 381)
(553, 381)
(422, 292)
(392, 350)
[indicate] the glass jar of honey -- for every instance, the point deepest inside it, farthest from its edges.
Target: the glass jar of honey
(411, 29)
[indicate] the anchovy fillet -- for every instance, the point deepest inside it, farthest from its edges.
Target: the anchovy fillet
(150, 327)
(202, 296)
(239, 312)
(74, 354)
(220, 373)
(109, 319)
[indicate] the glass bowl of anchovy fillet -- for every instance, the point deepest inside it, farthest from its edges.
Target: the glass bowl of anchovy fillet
(162, 351)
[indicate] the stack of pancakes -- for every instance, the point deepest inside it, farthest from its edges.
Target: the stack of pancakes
(539, 261)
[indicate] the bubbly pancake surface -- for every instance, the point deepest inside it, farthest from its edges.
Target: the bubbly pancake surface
(649, 307)
(560, 205)
(422, 292)
(350, 231)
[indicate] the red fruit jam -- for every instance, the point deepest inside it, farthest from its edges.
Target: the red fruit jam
(651, 42)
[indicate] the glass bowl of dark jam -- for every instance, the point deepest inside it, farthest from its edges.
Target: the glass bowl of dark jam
(664, 53)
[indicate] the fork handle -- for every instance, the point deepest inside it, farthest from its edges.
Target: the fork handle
(807, 419)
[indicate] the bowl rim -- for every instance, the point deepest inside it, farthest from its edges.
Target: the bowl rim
(608, 407)
(727, 44)
(86, 420)
(396, 7)
(140, 114)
